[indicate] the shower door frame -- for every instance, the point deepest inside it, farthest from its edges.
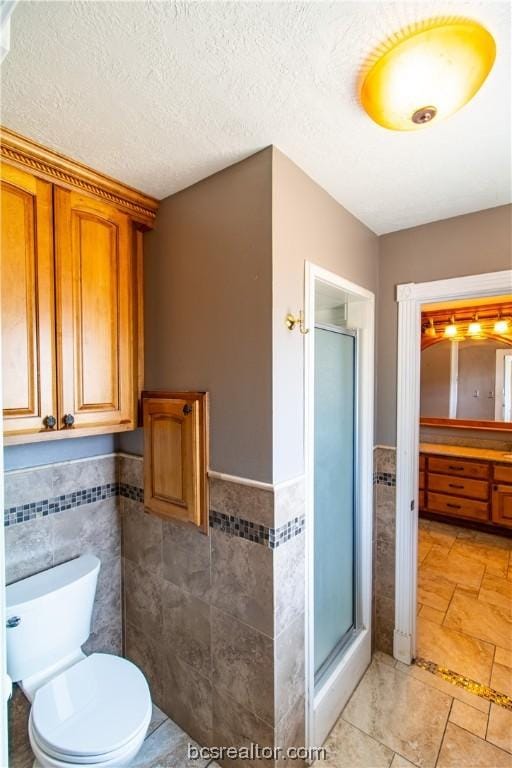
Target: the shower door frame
(324, 706)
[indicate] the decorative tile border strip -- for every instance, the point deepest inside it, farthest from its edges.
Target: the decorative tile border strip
(44, 507)
(384, 478)
(131, 492)
(236, 526)
(259, 534)
(484, 691)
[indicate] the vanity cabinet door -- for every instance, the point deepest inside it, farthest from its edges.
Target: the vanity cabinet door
(28, 354)
(502, 505)
(95, 314)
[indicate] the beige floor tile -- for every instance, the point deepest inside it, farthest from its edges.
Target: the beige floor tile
(486, 622)
(434, 590)
(503, 656)
(458, 652)
(438, 533)
(157, 718)
(348, 747)
(496, 590)
(501, 679)
(454, 567)
(495, 559)
(424, 548)
(469, 718)
(499, 730)
(461, 694)
(167, 746)
(487, 539)
(384, 658)
(400, 712)
(461, 749)
(400, 762)
(432, 614)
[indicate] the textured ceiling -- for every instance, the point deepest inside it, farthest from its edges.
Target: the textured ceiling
(161, 94)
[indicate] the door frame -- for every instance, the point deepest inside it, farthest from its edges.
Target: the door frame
(5, 683)
(410, 298)
(324, 707)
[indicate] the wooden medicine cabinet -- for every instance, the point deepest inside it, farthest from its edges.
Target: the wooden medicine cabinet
(176, 456)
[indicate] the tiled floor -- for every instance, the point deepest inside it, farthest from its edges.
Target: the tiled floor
(166, 746)
(401, 717)
(465, 603)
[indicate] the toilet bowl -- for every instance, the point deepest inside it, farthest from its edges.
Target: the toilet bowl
(86, 710)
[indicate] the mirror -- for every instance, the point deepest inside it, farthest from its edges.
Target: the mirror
(466, 366)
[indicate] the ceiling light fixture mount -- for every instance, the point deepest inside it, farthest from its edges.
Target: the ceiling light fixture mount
(424, 115)
(426, 71)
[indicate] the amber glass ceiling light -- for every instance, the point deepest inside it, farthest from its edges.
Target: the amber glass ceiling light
(426, 73)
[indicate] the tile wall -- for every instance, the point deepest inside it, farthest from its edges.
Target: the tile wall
(384, 548)
(217, 622)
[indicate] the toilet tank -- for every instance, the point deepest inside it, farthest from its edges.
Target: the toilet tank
(49, 616)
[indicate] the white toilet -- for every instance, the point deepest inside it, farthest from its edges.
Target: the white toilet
(86, 710)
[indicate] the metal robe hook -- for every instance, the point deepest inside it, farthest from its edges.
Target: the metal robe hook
(293, 320)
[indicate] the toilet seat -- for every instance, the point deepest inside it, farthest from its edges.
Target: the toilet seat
(95, 712)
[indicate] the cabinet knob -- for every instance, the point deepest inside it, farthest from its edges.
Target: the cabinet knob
(49, 421)
(69, 419)
(187, 409)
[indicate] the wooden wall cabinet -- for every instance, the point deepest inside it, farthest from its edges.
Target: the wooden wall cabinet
(28, 307)
(176, 456)
(71, 274)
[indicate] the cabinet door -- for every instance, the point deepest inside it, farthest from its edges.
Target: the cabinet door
(95, 329)
(28, 328)
(175, 456)
(502, 505)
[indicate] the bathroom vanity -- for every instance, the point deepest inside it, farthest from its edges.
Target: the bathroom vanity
(466, 484)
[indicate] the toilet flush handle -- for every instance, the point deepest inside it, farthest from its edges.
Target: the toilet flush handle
(12, 622)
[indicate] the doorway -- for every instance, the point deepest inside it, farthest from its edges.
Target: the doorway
(339, 477)
(410, 299)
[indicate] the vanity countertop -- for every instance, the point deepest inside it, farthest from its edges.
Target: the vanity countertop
(464, 452)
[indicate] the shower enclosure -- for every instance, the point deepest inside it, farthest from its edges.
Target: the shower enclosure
(339, 480)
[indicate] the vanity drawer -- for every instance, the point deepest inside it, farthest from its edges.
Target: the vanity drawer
(423, 461)
(421, 500)
(459, 486)
(422, 480)
(456, 506)
(459, 467)
(503, 473)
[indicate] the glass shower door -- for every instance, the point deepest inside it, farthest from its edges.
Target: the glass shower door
(334, 494)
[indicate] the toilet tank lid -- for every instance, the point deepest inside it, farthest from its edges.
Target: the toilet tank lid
(56, 578)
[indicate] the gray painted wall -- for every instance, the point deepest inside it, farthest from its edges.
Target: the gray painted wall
(208, 299)
(50, 452)
(308, 225)
(465, 245)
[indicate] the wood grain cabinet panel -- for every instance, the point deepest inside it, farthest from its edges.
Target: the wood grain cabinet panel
(95, 312)
(176, 456)
(71, 282)
(460, 486)
(459, 467)
(456, 506)
(28, 354)
(502, 505)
